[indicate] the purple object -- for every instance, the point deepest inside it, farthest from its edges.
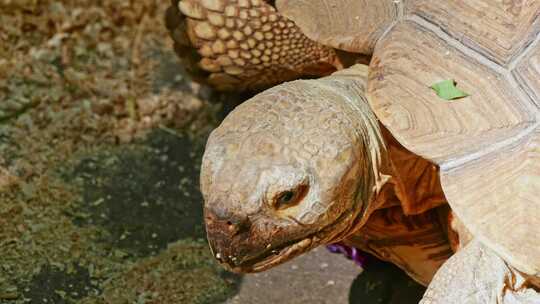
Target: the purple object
(350, 252)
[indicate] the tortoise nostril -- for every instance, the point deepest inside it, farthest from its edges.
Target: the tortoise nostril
(238, 225)
(226, 221)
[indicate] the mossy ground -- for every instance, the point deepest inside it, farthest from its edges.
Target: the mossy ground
(101, 136)
(113, 224)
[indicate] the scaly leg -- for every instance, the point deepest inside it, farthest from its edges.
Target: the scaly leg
(245, 44)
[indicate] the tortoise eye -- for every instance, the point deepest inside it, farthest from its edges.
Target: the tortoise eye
(286, 197)
(290, 197)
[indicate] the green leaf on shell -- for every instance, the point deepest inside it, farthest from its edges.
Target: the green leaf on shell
(447, 90)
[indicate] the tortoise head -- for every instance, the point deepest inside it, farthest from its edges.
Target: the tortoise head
(286, 171)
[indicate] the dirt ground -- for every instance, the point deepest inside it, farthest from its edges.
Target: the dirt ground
(101, 137)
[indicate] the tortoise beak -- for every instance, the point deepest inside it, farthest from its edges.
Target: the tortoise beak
(228, 237)
(242, 246)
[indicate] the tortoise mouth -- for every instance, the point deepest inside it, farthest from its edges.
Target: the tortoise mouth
(275, 256)
(284, 252)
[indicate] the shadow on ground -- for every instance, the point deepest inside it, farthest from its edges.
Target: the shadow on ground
(146, 195)
(384, 283)
(53, 285)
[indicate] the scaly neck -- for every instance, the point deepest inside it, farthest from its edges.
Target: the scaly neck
(376, 169)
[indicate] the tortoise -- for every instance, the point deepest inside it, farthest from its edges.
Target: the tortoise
(371, 156)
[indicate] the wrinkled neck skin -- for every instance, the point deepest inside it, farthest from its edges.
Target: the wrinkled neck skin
(317, 139)
(374, 170)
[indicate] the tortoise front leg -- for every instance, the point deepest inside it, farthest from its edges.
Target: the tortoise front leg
(475, 274)
(244, 44)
